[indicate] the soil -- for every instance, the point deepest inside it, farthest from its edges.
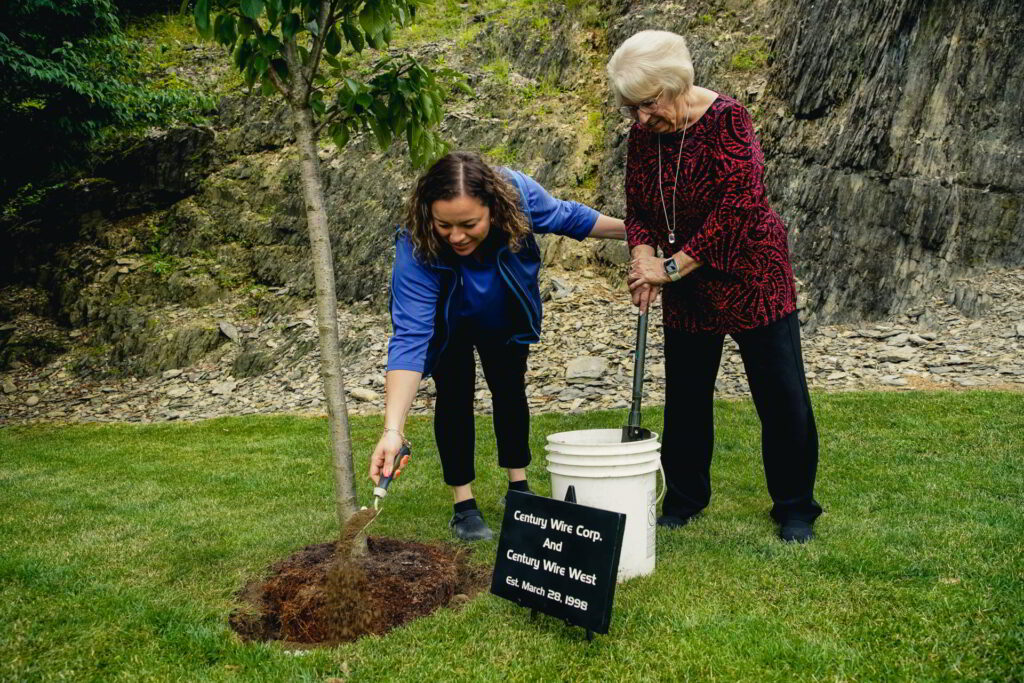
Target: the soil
(312, 598)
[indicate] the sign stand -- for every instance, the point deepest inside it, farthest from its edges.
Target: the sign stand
(559, 558)
(570, 497)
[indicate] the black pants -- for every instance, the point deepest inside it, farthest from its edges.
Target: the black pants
(504, 368)
(789, 439)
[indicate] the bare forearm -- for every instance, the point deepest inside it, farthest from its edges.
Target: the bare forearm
(608, 228)
(401, 391)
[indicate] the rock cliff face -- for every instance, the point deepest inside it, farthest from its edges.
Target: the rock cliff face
(896, 150)
(892, 130)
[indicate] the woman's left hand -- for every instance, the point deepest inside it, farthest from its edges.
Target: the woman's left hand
(647, 270)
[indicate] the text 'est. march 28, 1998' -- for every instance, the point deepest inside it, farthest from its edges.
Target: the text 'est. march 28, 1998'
(559, 558)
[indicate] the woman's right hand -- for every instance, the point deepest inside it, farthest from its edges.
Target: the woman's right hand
(382, 462)
(644, 296)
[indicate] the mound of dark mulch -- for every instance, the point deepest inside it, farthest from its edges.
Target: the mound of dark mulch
(311, 597)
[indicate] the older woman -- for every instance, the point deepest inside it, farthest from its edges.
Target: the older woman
(694, 190)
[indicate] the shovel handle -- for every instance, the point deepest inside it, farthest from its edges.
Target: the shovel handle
(638, 370)
(400, 460)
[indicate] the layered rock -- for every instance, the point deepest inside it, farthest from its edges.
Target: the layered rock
(896, 150)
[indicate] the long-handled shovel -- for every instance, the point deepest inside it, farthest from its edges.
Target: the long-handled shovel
(633, 431)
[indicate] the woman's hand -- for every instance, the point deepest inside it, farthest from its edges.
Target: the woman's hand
(382, 461)
(647, 270)
(644, 296)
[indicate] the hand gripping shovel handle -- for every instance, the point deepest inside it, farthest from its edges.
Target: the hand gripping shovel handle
(401, 459)
(633, 431)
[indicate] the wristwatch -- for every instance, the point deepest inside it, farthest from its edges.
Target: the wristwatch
(672, 269)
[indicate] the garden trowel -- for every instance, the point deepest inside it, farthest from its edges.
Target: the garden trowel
(381, 490)
(633, 431)
(358, 522)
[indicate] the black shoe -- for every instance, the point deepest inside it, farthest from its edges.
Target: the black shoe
(501, 502)
(674, 522)
(796, 531)
(469, 525)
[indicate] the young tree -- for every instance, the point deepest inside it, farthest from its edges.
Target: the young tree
(296, 50)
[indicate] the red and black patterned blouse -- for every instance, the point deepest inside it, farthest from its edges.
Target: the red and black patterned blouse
(722, 220)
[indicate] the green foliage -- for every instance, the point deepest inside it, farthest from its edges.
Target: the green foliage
(502, 155)
(309, 52)
(68, 74)
(500, 69)
(752, 56)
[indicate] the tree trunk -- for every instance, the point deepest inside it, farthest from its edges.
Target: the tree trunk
(326, 313)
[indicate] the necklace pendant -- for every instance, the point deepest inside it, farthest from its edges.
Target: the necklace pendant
(672, 237)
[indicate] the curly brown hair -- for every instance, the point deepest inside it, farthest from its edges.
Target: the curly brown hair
(454, 175)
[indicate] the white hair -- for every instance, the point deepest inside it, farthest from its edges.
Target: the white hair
(649, 62)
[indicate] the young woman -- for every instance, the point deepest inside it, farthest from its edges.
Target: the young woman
(465, 277)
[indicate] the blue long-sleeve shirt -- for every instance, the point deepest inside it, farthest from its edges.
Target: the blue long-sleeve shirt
(416, 286)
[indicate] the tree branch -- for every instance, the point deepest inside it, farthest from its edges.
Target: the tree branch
(274, 78)
(281, 87)
(328, 120)
(325, 20)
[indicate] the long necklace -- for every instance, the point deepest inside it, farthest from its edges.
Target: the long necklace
(675, 184)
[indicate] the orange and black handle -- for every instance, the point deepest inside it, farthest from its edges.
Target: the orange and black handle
(401, 460)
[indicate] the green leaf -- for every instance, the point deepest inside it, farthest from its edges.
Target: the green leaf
(364, 100)
(224, 29)
(270, 45)
(259, 64)
(251, 8)
(267, 86)
(201, 12)
(242, 54)
(353, 35)
(333, 61)
(290, 25)
(333, 42)
(368, 18)
(381, 132)
(427, 107)
(316, 103)
(339, 133)
(274, 10)
(250, 76)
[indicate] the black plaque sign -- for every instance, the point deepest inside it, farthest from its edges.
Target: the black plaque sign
(559, 558)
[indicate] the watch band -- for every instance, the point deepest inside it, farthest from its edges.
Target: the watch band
(672, 269)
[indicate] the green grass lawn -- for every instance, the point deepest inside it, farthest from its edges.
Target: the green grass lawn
(121, 549)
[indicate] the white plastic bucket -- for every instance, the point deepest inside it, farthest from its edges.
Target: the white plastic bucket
(616, 476)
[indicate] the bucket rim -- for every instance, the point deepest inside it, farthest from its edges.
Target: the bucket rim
(560, 438)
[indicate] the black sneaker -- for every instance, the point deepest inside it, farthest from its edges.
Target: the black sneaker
(796, 531)
(469, 525)
(674, 522)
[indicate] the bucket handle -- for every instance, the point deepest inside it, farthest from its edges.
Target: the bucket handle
(664, 484)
